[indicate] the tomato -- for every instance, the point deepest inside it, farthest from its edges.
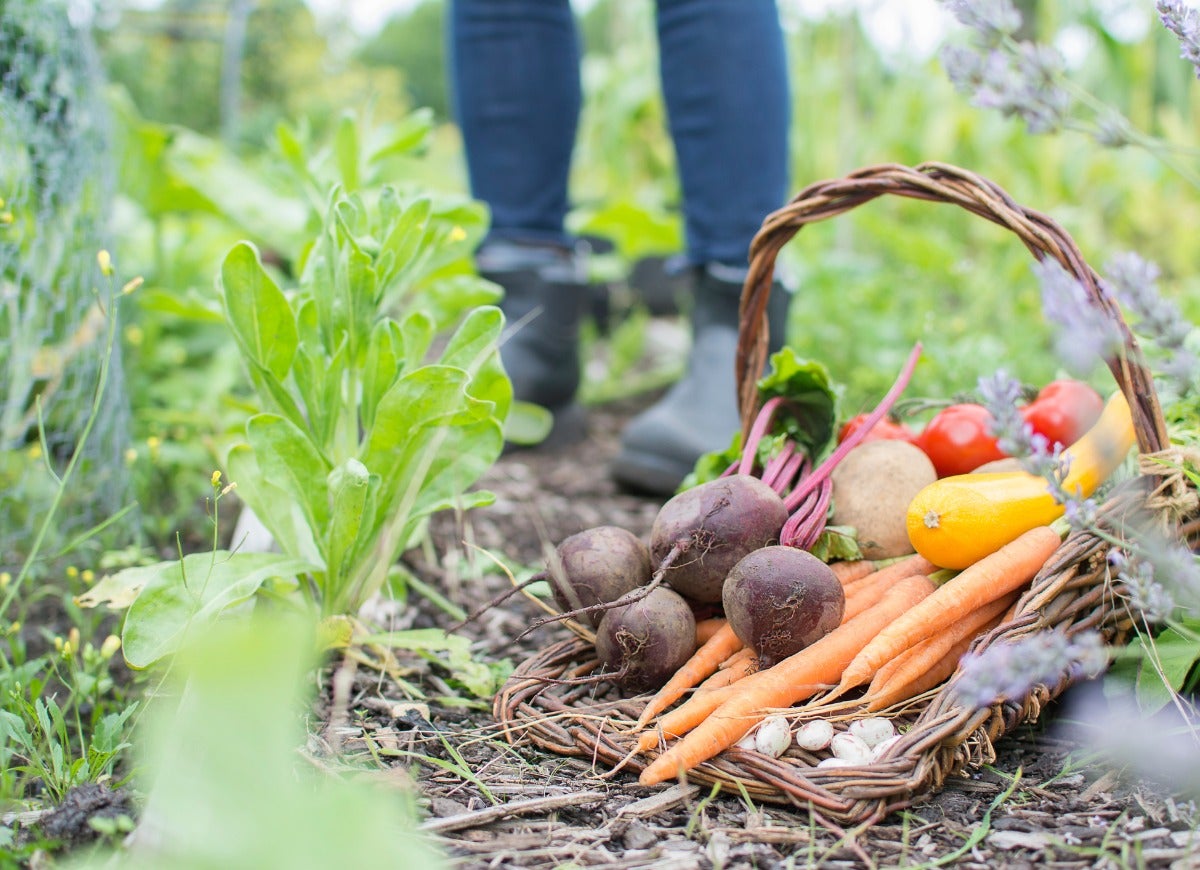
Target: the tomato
(884, 429)
(1063, 411)
(957, 439)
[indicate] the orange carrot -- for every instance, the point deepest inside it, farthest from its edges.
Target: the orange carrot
(742, 663)
(940, 670)
(890, 680)
(706, 628)
(851, 570)
(867, 591)
(992, 577)
(797, 677)
(704, 662)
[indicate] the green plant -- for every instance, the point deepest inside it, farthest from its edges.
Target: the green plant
(357, 438)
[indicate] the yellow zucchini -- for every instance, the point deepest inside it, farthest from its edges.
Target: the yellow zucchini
(958, 520)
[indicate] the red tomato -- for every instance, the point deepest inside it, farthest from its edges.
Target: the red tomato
(884, 429)
(1063, 411)
(957, 439)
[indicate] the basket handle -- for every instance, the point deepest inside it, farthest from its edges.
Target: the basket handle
(936, 182)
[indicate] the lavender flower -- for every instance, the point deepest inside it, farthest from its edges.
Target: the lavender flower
(1023, 82)
(1183, 21)
(1134, 283)
(1146, 595)
(1010, 669)
(1087, 335)
(991, 20)
(1001, 395)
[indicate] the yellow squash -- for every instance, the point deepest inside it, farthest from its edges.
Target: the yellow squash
(958, 520)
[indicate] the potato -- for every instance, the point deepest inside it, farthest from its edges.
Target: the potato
(872, 487)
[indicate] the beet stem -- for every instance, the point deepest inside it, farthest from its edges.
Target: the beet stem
(496, 600)
(812, 481)
(632, 597)
(761, 424)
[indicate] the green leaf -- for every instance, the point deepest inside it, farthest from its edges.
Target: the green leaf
(345, 151)
(279, 512)
(473, 348)
(1175, 654)
(418, 331)
(410, 135)
(348, 486)
(258, 312)
(807, 418)
(185, 597)
(527, 423)
(218, 755)
(381, 367)
(811, 410)
(287, 458)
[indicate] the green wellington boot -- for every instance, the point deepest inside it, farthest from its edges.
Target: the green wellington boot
(545, 296)
(699, 413)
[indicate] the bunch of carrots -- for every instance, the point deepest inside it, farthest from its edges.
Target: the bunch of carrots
(906, 625)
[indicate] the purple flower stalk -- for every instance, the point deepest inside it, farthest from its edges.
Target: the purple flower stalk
(1085, 335)
(1183, 21)
(1134, 283)
(991, 20)
(1010, 669)
(1001, 395)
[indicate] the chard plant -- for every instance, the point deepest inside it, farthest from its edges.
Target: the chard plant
(360, 429)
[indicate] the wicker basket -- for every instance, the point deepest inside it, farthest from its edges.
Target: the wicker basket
(1073, 592)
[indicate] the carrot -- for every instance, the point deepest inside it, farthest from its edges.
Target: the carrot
(706, 628)
(869, 590)
(742, 663)
(889, 681)
(704, 662)
(992, 577)
(851, 570)
(894, 692)
(796, 678)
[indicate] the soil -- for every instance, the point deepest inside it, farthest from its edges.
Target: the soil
(502, 805)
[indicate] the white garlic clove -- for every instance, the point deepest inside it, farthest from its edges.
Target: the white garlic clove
(851, 748)
(879, 749)
(773, 736)
(874, 730)
(814, 735)
(834, 762)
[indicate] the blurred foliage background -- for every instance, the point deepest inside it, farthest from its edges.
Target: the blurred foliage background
(214, 104)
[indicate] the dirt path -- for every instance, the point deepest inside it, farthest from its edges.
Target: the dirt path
(496, 805)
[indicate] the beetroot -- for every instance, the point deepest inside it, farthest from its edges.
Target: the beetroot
(597, 566)
(642, 644)
(781, 599)
(702, 532)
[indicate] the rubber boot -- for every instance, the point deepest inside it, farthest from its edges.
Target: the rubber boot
(545, 296)
(699, 413)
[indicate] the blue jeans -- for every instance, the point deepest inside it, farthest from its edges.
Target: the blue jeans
(515, 77)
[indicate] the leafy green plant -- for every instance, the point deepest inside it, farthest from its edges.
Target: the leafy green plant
(357, 438)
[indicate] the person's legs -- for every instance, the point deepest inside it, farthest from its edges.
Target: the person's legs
(515, 79)
(725, 83)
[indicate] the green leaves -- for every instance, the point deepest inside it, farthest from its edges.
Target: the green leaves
(182, 598)
(359, 435)
(257, 311)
